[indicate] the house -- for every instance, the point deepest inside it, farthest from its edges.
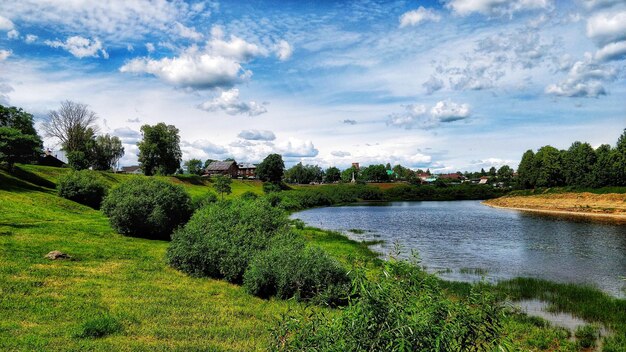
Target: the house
(246, 171)
(222, 168)
(135, 170)
(426, 178)
(47, 159)
(483, 180)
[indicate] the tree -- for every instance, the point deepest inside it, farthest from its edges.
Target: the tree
(578, 165)
(603, 174)
(159, 150)
(304, 174)
(375, 173)
(492, 171)
(19, 141)
(222, 185)
(505, 174)
(332, 174)
(107, 151)
(271, 168)
(549, 167)
(347, 174)
(619, 161)
(73, 124)
(527, 172)
(194, 166)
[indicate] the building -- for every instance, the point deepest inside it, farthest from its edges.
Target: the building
(47, 159)
(222, 168)
(246, 171)
(483, 180)
(135, 170)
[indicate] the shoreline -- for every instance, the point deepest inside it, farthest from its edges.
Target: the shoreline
(612, 217)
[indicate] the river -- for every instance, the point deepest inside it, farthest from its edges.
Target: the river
(466, 241)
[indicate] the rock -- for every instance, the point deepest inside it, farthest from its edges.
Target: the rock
(54, 255)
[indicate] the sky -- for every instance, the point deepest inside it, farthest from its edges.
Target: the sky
(447, 85)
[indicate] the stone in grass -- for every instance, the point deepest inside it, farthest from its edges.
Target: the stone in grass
(54, 255)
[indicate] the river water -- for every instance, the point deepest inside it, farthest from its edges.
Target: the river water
(466, 241)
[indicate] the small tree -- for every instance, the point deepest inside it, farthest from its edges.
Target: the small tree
(107, 151)
(159, 150)
(194, 166)
(332, 174)
(19, 141)
(222, 185)
(271, 168)
(73, 124)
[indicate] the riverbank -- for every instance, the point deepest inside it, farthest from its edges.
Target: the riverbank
(606, 207)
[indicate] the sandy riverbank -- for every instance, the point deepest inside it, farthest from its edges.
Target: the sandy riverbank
(610, 207)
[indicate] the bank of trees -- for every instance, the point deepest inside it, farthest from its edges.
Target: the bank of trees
(579, 166)
(19, 141)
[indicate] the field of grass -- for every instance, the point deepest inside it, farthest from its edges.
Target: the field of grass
(117, 293)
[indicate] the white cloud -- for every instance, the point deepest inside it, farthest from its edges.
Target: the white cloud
(294, 148)
(13, 34)
(127, 135)
(613, 51)
(283, 50)
(209, 147)
(150, 47)
(80, 47)
(30, 38)
(495, 7)
(448, 111)
(256, 135)
(607, 27)
(229, 102)
(585, 79)
(4, 54)
(187, 32)
(5, 24)
(489, 163)
(236, 49)
(596, 4)
(418, 115)
(349, 122)
(339, 153)
(432, 85)
(415, 17)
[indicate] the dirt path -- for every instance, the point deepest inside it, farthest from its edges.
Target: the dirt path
(610, 207)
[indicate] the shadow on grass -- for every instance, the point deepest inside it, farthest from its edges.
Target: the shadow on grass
(31, 178)
(14, 184)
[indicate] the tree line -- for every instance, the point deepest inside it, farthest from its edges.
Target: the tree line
(579, 166)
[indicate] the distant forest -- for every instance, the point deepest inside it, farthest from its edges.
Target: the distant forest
(579, 166)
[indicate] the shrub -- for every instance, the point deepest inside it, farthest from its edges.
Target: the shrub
(270, 187)
(249, 195)
(220, 239)
(146, 207)
(587, 335)
(403, 309)
(99, 326)
(84, 187)
(203, 200)
(288, 268)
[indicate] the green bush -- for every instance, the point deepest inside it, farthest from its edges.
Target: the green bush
(249, 195)
(146, 207)
(403, 309)
(288, 268)
(84, 187)
(221, 239)
(587, 335)
(270, 187)
(99, 326)
(203, 200)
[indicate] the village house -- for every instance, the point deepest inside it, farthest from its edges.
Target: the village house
(47, 159)
(246, 171)
(228, 168)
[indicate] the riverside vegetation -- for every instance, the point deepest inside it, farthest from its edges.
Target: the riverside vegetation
(120, 292)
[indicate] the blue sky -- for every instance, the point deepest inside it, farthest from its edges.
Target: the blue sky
(446, 85)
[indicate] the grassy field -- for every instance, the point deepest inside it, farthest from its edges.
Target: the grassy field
(123, 286)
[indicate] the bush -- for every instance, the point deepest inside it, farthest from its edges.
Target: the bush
(403, 309)
(249, 195)
(587, 335)
(270, 187)
(288, 268)
(203, 200)
(146, 207)
(84, 187)
(221, 239)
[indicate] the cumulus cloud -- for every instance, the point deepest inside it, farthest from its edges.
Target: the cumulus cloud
(489, 163)
(218, 65)
(30, 38)
(283, 50)
(349, 122)
(415, 17)
(340, 154)
(432, 85)
(294, 148)
(127, 135)
(585, 79)
(186, 32)
(613, 51)
(256, 135)
(420, 116)
(209, 147)
(4, 90)
(5, 24)
(13, 34)
(4, 54)
(229, 102)
(495, 7)
(80, 47)
(608, 31)
(150, 47)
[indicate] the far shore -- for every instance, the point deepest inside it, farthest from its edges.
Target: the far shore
(620, 218)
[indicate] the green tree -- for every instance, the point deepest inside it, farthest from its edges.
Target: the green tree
(347, 174)
(603, 174)
(375, 173)
(194, 166)
(619, 161)
(222, 185)
(492, 171)
(19, 142)
(304, 174)
(527, 170)
(271, 168)
(159, 150)
(332, 174)
(107, 151)
(505, 174)
(549, 165)
(578, 165)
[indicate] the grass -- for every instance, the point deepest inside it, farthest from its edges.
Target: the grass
(115, 287)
